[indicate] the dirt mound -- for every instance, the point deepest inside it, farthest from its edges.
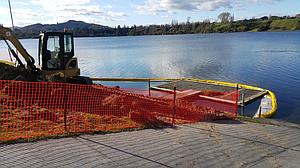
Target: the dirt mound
(8, 72)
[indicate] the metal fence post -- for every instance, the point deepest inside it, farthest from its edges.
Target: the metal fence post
(243, 105)
(65, 104)
(174, 106)
(237, 100)
(149, 86)
(259, 111)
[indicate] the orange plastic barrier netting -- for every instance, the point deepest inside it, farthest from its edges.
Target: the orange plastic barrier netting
(35, 110)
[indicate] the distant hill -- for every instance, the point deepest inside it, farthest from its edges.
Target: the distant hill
(79, 28)
(82, 29)
(72, 24)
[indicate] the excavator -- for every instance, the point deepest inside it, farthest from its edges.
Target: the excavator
(56, 61)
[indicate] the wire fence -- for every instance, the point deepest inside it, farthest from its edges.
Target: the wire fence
(34, 110)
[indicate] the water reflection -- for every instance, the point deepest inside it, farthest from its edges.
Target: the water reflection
(269, 60)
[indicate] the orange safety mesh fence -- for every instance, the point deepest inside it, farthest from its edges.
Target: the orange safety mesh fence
(31, 110)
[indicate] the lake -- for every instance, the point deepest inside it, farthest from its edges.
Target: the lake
(268, 60)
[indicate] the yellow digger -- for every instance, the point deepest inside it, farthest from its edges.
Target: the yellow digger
(56, 59)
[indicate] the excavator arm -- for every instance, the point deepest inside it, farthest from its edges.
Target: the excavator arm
(67, 69)
(7, 35)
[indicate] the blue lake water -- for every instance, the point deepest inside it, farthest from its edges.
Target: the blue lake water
(269, 60)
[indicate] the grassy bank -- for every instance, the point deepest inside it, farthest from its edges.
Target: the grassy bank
(256, 25)
(285, 25)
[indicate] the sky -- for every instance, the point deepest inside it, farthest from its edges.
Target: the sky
(138, 12)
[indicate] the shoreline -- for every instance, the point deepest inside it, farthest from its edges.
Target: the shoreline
(281, 31)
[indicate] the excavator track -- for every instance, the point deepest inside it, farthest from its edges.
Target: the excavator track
(9, 72)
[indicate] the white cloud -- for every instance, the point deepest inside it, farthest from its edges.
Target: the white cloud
(3, 11)
(157, 6)
(264, 1)
(85, 10)
(19, 3)
(21, 16)
(49, 12)
(169, 6)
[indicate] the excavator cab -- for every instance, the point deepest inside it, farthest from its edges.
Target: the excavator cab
(56, 54)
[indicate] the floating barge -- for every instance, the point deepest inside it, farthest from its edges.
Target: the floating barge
(246, 93)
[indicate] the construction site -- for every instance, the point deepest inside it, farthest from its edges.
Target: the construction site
(51, 116)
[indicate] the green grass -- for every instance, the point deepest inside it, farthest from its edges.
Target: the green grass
(264, 121)
(254, 30)
(249, 119)
(285, 24)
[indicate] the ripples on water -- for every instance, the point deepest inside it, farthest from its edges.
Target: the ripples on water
(268, 60)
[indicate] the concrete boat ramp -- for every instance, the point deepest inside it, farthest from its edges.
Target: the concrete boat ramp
(217, 144)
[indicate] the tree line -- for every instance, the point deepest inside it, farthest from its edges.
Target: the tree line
(225, 23)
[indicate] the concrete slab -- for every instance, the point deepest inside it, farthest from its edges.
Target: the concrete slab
(220, 144)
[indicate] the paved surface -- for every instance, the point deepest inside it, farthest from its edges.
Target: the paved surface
(228, 144)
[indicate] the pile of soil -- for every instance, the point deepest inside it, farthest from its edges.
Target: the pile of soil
(8, 72)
